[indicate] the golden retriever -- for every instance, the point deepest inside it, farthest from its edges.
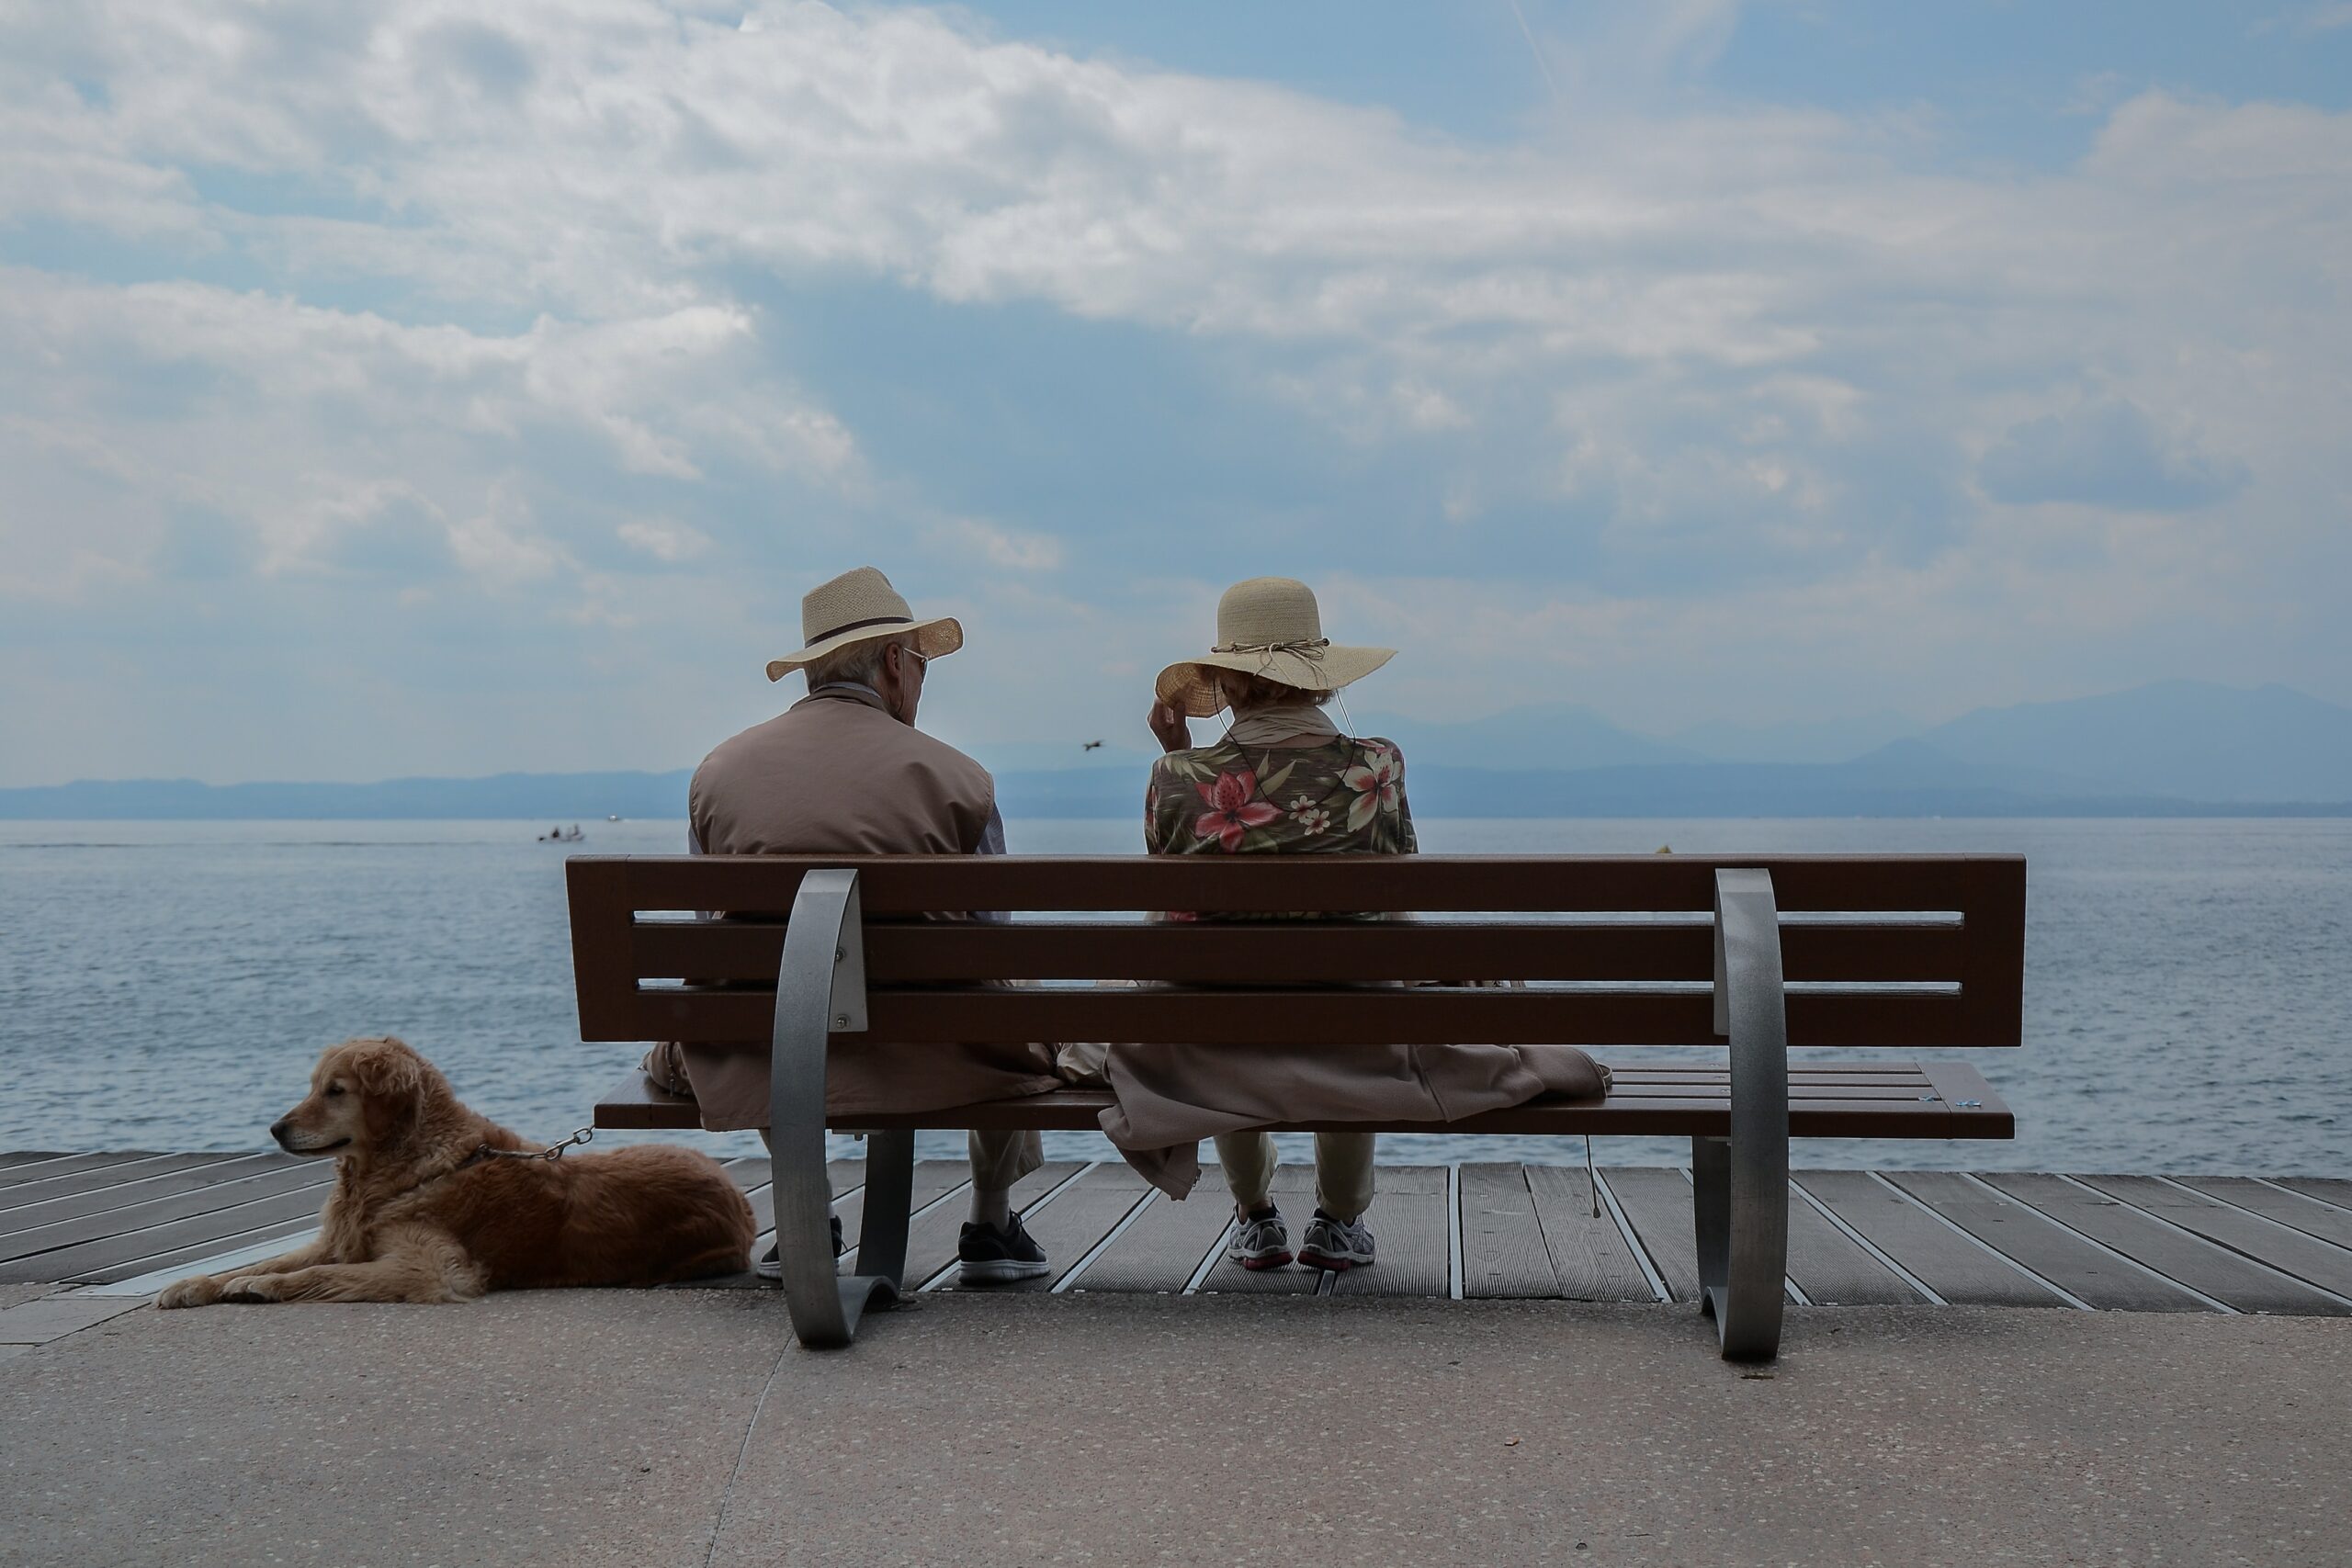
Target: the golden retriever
(420, 1213)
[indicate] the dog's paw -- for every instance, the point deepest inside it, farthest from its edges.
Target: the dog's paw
(196, 1291)
(251, 1288)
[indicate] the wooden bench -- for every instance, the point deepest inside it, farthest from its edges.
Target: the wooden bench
(1753, 953)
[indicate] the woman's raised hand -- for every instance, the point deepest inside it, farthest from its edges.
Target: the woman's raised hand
(1168, 727)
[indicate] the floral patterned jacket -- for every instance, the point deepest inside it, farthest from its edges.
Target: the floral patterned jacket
(1227, 798)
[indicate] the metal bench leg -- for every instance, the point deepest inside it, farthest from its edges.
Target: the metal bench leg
(890, 1195)
(1740, 1198)
(820, 991)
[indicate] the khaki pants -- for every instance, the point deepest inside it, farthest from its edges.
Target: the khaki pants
(1343, 1170)
(1000, 1158)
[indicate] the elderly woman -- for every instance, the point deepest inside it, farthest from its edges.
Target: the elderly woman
(1283, 780)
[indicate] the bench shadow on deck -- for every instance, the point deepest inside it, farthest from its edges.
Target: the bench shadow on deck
(120, 1225)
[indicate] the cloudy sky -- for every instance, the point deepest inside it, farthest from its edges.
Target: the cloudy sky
(417, 388)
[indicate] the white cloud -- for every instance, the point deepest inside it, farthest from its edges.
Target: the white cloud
(2325, 18)
(1007, 547)
(531, 282)
(316, 432)
(665, 539)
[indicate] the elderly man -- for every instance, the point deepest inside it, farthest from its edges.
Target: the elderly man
(844, 770)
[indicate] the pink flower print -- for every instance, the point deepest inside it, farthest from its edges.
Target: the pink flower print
(1234, 808)
(1374, 780)
(1311, 819)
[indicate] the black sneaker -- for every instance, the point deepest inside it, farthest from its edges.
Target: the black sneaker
(993, 1257)
(771, 1263)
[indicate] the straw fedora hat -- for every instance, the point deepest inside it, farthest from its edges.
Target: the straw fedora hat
(1269, 626)
(859, 606)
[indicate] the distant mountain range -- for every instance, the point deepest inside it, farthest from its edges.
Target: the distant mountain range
(2183, 739)
(2178, 747)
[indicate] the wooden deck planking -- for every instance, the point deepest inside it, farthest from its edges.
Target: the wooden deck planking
(189, 1256)
(933, 1179)
(1656, 1200)
(2308, 1215)
(27, 1157)
(2327, 1189)
(1833, 1269)
(750, 1179)
(1503, 1253)
(1411, 1220)
(2018, 1231)
(74, 1173)
(931, 1243)
(1080, 1217)
(2187, 1259)
(1168, 1243)
(1522, 1232)
(1293, 1189)
(313, 1177)
(205, 1170)
(96, 1260)
(1953, 1266)
(17, 1202)
(2273, 1246)
(1591, 1259)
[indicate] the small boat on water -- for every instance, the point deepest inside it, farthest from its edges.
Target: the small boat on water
(561, 836)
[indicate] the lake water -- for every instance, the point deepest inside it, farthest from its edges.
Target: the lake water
(166, 984)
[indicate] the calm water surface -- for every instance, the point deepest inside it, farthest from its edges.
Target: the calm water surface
(166, 984)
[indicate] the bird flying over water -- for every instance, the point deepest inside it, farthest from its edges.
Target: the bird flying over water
(1090, 746)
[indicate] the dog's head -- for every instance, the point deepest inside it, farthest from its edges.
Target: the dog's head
(364, 1094)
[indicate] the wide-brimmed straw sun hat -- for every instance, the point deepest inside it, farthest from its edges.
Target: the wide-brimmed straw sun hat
(1269, 626)
(859, 606)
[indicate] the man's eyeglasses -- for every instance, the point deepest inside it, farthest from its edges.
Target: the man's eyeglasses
(922, 661)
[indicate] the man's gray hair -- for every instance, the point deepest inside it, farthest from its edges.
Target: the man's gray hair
(859, 664)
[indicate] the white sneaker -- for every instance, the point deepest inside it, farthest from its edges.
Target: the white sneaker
(1336, 1245)
(1260, 1243)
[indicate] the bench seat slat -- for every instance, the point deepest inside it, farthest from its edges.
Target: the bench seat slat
(1815, 1110)
(1429, 1015)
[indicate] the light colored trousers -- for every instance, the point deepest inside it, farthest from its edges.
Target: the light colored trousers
(999, 1158)
(1343, 1170)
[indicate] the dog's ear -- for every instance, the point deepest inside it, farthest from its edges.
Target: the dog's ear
(386, 1069)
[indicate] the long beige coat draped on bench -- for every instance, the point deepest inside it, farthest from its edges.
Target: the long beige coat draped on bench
(1171, 1097)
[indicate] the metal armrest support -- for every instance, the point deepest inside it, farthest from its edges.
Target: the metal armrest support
(820, 991)
(1740, 1202)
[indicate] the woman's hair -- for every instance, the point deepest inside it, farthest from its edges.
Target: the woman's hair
(1243, 691)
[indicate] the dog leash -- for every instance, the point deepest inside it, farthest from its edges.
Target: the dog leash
(483, 1151)
(553, 1151)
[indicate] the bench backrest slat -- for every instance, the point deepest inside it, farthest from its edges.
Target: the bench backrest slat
(908, 884)
(1929, 950)
(718, 951)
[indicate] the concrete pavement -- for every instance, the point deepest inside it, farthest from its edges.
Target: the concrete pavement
(685, 1427)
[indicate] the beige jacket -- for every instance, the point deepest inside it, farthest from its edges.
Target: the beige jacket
(836, 775)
